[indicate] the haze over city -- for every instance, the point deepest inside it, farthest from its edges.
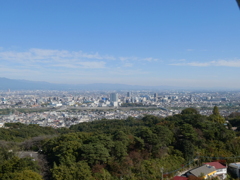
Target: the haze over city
(151, 43)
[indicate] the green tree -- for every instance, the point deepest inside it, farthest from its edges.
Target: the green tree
(102, 139)
(188, 111)
(95, 153)
(216, 117)
(120, 150)
(188, 149)
(75, 171)
(65, 148)
(215, 111)
(165, 136)
(121, 136)
(151, 120)
(26, 175)
(188, 132)
(11, 169)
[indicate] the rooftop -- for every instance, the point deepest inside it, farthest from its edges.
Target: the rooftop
(237, 165)
(203, 170)
(217, 165)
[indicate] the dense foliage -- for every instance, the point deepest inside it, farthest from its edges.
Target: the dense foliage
(19, 132)
(15, 168)
(129, 149)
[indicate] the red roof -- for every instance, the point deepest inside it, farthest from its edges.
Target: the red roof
(217, 165)
(179, 178)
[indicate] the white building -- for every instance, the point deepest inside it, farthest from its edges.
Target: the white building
(56, 104)
(1, 125)
(114, 104)
(221, 169)
(69, 103)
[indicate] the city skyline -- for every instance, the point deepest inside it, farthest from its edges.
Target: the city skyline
(187, 44)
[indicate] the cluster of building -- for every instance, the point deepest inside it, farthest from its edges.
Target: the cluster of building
(58, 119)
(210, 170)
(31, 99)
(63, 109)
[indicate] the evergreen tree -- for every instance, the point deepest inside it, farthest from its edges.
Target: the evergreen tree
(216, 111)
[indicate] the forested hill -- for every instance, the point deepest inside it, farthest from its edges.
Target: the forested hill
(137, 148)
(18, 132)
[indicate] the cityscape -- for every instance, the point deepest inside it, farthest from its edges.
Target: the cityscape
(65, 108)
(119, 90)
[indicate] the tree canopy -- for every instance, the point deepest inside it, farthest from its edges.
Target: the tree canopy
(113, 149)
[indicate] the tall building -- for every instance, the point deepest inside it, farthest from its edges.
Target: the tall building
(114, 97)
(129, 94)
(155, 96)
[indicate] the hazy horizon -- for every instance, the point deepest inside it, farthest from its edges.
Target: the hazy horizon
(146, 43)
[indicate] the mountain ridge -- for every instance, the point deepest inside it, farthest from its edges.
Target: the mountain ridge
(20, 84)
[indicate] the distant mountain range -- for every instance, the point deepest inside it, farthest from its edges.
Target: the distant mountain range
(14, 84)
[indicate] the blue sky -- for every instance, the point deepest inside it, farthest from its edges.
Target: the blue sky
(187, 43)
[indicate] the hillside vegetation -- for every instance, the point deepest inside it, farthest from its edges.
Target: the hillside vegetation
(129, 149)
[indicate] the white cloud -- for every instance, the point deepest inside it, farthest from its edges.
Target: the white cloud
(128, 58)
(94, 65)
(232, 63)
(191, 64)
(46, 57)
(128, 65)
(63, 58)
(59, 65)
(225, 63)
(149, 59)
(38, 54)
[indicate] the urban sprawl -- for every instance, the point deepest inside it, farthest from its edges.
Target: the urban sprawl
(65, 108)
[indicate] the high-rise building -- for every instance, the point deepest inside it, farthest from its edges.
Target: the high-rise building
(155, 96)
(129, 94)
(114, 97)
